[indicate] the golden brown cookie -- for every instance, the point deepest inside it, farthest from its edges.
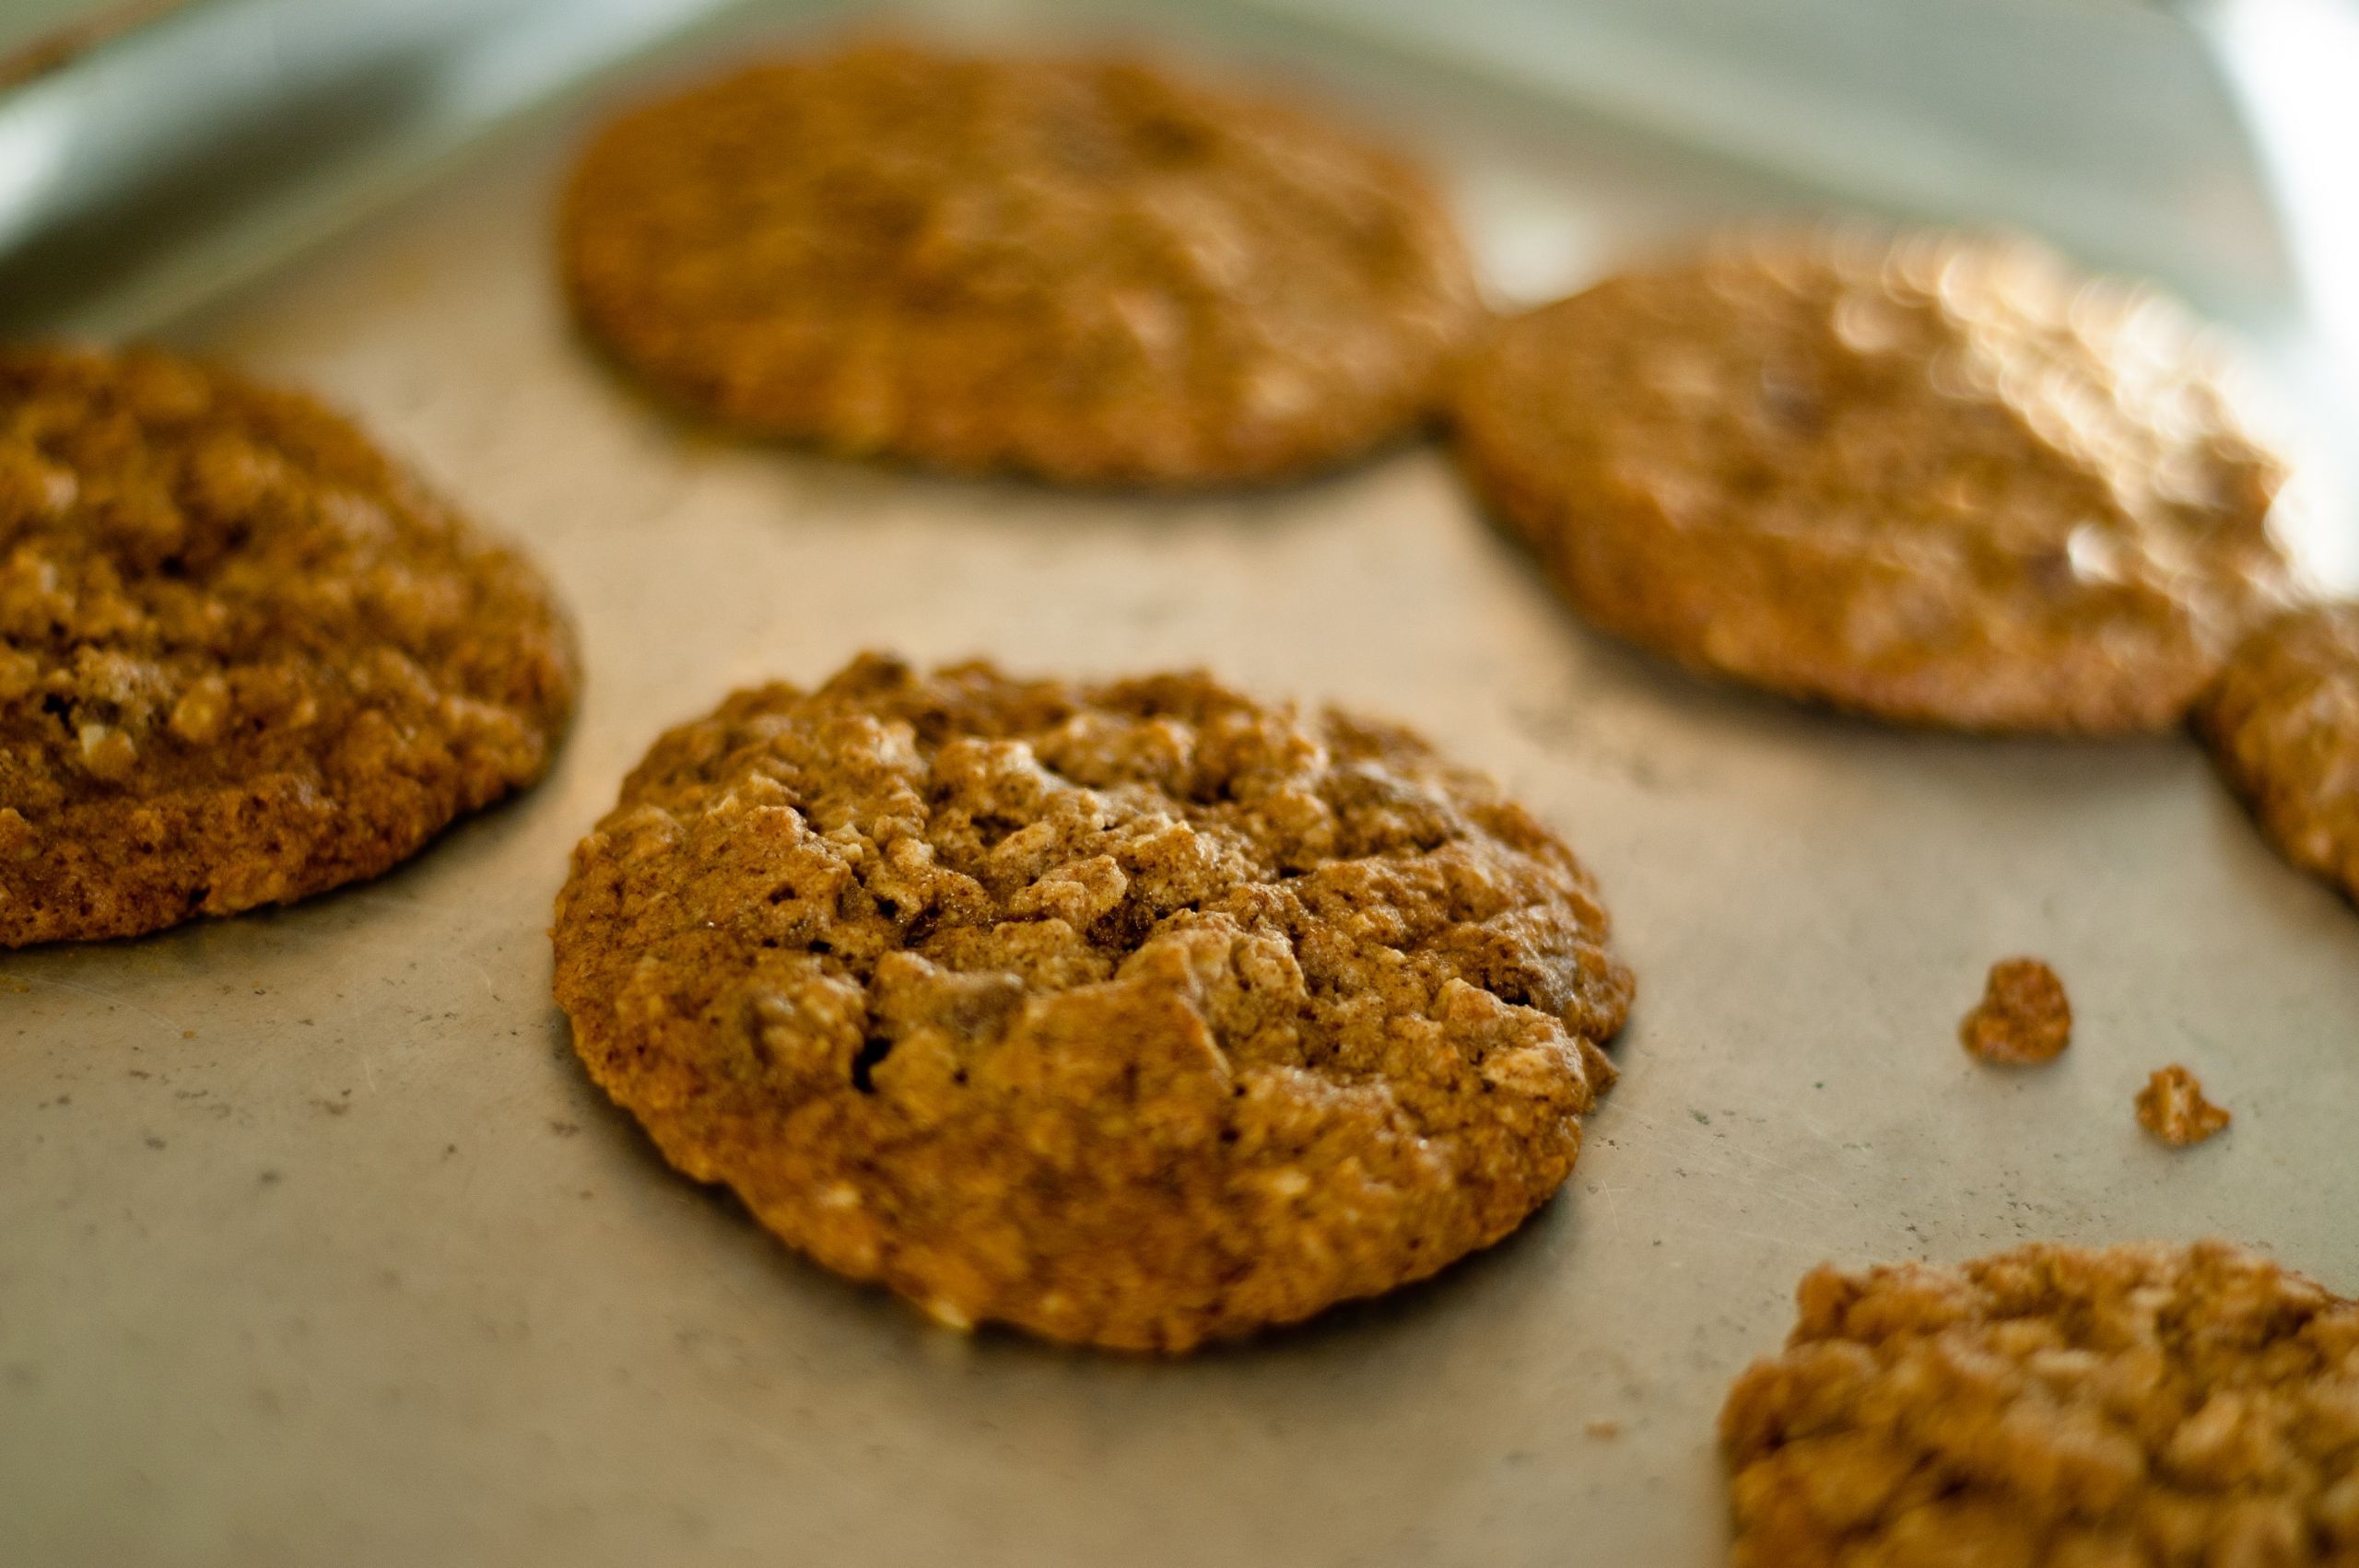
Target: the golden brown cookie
(1939, 481)
(2283, 726)
(2172, 1107)
(2128, 1407)
(244, 656)
(1083, 269)
(1133, 1014)
(2023, 1019)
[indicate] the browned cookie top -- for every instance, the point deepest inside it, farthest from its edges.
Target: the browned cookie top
(2131, 1407)
(1131, 1014)
(1939, 481)
(243, 658)
(1081, 268)
(2283, 725)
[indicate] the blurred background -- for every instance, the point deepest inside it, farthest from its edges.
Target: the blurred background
(2207, 144)
(153, 151)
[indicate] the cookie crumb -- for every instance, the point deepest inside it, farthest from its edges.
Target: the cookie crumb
(2023, 1019)
(2173, 1108)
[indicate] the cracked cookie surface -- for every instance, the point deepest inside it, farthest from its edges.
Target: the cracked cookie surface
(2143, 1406)
(1084, 269)
(1133, 1014)
(244, 658)
(2283, 724)
(1933, 480)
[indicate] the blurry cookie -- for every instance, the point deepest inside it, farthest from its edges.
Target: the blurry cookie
(244, 656)
(2283, 726)
(2129, 1406)
(1939, 481)
(1083, 269)
(1132, 1014)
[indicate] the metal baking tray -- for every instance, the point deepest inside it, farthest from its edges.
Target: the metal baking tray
(317, 1247)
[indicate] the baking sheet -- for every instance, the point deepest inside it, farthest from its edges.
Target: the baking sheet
(316, 1246)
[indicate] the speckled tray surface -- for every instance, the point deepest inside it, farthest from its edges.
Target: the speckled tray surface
(317, 1246)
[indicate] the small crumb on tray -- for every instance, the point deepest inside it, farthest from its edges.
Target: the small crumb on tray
(1603, 1431)
(2173, 1108)
(2024, 1018)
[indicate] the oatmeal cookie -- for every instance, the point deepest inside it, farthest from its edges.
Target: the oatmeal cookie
(2143, 1406)
(1083, 269)
(244, 656)
(2023, 1019)
(2173, 1108)
(2283, 726)
(1937, 481)
(1131, 1013)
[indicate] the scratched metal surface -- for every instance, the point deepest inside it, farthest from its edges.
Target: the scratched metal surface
(316, 1247)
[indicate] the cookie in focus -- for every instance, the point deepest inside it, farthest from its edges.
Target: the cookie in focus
(1933, 480)
(1134, 1013)
(2139, 1406)
(244, 656)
